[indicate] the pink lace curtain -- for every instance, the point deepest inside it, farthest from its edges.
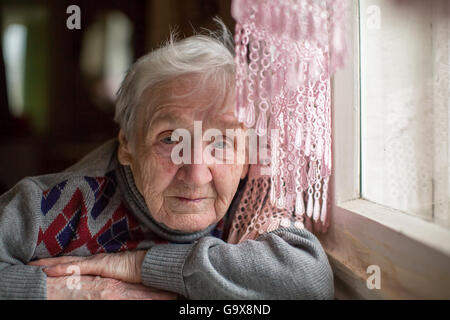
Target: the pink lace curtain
(286, 51)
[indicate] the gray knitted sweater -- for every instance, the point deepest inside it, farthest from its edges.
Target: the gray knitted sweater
(94, 207)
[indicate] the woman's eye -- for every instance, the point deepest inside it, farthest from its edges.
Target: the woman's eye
(168, 140)
(222, 144)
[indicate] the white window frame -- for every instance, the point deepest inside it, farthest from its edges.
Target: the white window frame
(413, 254)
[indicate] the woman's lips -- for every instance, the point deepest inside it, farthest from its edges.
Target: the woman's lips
(187, 200)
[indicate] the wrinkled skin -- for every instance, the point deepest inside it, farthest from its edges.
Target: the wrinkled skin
(212, 185)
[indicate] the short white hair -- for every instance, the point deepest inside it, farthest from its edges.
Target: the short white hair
(209, 56)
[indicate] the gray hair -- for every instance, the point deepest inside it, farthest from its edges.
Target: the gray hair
(209, 56)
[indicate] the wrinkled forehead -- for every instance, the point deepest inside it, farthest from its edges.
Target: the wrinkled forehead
(192, 98)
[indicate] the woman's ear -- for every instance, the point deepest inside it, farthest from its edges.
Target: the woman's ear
(123, 154)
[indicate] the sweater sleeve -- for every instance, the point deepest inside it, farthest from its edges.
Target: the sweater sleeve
(287, 263)
(19, 227)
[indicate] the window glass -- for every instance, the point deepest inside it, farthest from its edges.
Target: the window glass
(404, 73)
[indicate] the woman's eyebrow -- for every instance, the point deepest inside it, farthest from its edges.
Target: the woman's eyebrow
(229, 124)
(229, 120)
(219, 122)
(165, 118)
(161, 115)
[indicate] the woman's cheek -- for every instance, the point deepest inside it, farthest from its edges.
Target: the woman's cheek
(162, 151)
(149, 164)
(225, 180)
(164, 169)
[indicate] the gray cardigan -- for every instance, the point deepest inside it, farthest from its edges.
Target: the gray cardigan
(94, 207)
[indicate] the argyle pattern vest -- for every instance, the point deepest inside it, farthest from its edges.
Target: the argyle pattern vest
(86, 215)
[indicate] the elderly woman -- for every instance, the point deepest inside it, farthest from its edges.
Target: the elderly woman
(128, 221)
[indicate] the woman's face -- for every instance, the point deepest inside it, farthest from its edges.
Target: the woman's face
(186, 197)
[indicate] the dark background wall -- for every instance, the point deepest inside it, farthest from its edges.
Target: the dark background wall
(64, 115)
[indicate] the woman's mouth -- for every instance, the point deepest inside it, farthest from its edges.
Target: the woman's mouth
(187, 200)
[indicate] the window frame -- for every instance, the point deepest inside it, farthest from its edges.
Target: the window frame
(413, 254)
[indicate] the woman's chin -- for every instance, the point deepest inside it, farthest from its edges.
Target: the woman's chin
(189, 222)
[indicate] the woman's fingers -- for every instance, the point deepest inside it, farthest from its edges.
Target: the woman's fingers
(55, 261)
(95, 265)
(67, 269)
(123, 266)
(98, 288)
(141, 292)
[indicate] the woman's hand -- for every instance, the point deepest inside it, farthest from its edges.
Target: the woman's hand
(98, 288)
(101, 276)
(124, 266)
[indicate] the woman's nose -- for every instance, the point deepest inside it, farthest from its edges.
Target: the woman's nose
(195, 175)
